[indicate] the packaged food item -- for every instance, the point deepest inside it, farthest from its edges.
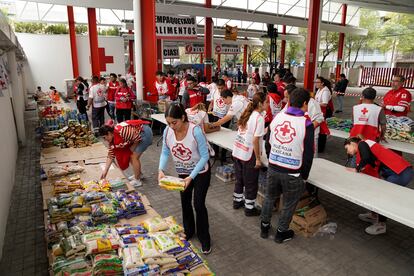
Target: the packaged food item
(132, 257)
(129, 229)
(101, 245)
(173, 225)
(132, 238)
(148, 249)
(61, 263)
(172, 183)
(164, 242)
(72, 245)
(107, 264)
(155, 224)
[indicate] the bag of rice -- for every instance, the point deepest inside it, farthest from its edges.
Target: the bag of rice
(101, 245)
(173, 225)
(148, 249)
(164, 242)
(155, 224)
(132, 257)
(172, 183)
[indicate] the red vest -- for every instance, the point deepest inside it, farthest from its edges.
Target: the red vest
(400, 97)
(123, 154)
(384, 156)
(366, 121)
(195, 97)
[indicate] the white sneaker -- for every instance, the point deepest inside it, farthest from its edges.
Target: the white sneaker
(368, 217)
(136, 183)
(132, 177)
(376, 229)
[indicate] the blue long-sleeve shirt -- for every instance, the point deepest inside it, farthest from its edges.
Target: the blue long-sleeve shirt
(201, 146)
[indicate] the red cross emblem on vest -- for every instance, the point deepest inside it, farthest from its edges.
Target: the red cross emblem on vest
(220, 102)
(181, 152)
(284, 132)
(364, 111)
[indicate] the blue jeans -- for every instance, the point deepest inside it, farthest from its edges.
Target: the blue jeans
(402, 179)
(146, 139)
(110, 108)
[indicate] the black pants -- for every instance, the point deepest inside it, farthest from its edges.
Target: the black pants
(81, 105)
(123, 115)
(216, 148)
(200, 186)
(321, 142)
(247, 181)
(98, 116)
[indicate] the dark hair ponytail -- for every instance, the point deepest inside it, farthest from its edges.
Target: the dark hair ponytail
(258, 98)
(176, 111)
(105, 129)
(355, 139)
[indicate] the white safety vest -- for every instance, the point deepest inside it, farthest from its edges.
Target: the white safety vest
(286, 140)
(196, 117)
(185, 152)
(220, 109)
(243, 146)
(366, 121)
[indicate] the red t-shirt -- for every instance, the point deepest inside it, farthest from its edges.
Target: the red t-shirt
(110, 94)
(399, 97)
(124, 92)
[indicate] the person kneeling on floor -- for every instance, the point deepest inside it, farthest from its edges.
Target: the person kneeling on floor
(375, 160)
(127, 142)
(290, 161)
(246, 152)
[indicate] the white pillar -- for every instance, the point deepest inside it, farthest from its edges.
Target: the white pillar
(17, 96)
(138, 49)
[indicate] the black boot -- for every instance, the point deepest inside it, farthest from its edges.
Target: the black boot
(264, 230)
(238, 204)
(251, 212)
(281, 237)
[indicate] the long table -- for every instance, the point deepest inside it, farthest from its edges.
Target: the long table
(390, 200)
(391, 144)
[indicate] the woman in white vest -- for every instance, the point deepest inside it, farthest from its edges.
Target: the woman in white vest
(187, 145)
(197, 115)
(246, 152)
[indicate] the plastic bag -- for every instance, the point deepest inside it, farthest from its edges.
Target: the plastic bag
(327, 229)
(155, 224)
(173, 225)
(164, 242)
(107, 264)
(172, 183)
(101, 245)
(132, 257)
(148, 249)
(128, 229)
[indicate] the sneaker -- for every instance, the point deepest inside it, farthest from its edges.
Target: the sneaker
(281, 237)
(376, 229)
(368, 217)
(206, 249)
(238, 205)
(251, 212)
(136, 183)
(338, 111)
(264, 230)
(132, 177)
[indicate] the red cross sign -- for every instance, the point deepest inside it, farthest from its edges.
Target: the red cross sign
(284, 132)
(103, 59)
(181, 152)
(364, 111)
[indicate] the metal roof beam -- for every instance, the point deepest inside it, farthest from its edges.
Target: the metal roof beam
(391, 6)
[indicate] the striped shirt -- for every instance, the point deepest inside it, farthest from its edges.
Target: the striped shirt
(130, 135)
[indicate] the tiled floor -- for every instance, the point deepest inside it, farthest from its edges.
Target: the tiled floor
(237, 247)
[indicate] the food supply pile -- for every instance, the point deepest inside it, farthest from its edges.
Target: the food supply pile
(75, 135)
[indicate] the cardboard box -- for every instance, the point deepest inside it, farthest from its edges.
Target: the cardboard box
(260, 199)
(310, 222)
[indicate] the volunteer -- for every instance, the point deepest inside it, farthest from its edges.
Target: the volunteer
(81, 95)
(238, 104)
(246, 154)
(212, 87)
(375, 160)
(187, 145)
(110, 95)
(97, 101)
(324, 98)
(127, 142)
(197, 115)
(54, 94)
(266, 81)
(368, 118)
(227, 81)
(183, 87)
(252, 89)
(124, 99)
(290, 162)
(194, 94)
(340, 88)
(397, 101)
(220, 109)
(161, 88)
(279, 83)
(256, 75)
(275, 103)
(173, 84)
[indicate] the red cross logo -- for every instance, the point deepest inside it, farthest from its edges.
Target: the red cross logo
(218, 49)
(188, 49)
(103, 59)
(364, 111)
(181, 152)
(220, 102)
(284, 132)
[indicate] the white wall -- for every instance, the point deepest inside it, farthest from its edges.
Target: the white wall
(8, 148)
(50, 62)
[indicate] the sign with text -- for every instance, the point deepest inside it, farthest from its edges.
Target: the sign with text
(171, 52)
(194, 48)
(227, 49)
(167, 26)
